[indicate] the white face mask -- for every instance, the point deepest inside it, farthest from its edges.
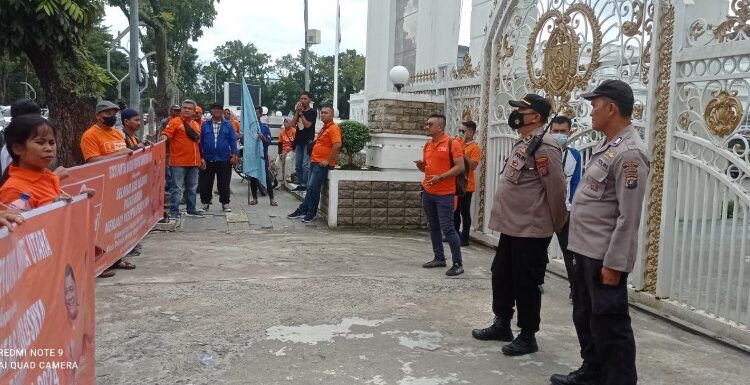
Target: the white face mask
(561, 139)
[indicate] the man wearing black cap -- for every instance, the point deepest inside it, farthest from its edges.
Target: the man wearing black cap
(529, 207)
(218, 145)
(604, 220)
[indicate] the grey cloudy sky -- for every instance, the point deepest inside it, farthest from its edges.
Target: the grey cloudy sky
(277, 26)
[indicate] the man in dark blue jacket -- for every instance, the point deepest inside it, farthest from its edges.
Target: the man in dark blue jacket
(218, 144)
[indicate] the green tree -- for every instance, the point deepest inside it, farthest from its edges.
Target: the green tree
(50, 34)
(239, 60)
(13, 71)
(172, 24)
(351, 78)
(289, 72)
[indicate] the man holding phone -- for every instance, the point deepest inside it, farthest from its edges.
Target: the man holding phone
(304, 119)
(442, 160)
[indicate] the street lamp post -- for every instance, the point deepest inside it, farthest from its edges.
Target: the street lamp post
(306, 55)
(135, 94)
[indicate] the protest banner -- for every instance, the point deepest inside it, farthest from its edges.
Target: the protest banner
(47, 297)
(129, 199)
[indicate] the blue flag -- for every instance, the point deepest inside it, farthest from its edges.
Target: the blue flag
(253, 163)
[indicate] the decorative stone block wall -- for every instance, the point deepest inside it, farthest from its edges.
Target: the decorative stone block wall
(376, 204)
(390, 116)
(380, 204)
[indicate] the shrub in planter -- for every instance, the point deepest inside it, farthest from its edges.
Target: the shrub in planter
(354, 138)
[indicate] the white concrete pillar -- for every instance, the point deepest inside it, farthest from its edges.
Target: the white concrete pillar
(437, 33)
(480, 17)
(380, 44)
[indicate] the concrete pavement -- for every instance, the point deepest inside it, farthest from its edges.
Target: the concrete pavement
(254, 298)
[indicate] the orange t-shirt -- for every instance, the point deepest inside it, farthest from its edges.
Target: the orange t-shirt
(328, 136)
(472, 152)
(183, 152)
(287, 139)
(236, 125)
(97, 141)
(43, 186)
(437, 161)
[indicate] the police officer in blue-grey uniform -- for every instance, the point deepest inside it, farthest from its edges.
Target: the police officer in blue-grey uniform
(604, 220)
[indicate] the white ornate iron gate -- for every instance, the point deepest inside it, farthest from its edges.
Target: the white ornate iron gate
(559, 49)
(690, 79)
(704, 264)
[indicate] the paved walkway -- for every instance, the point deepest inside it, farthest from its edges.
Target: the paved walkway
(254, 298)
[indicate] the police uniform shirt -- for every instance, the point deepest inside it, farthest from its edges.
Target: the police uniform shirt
(530, 198)
(606, 209)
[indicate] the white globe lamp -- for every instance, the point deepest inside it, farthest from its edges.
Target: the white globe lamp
(399, 75)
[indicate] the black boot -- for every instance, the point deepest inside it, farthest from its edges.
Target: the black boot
(585, 375)
(499, 331)
(525, 343)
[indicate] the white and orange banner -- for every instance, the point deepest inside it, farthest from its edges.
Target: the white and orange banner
(47, 297)
(129, 199)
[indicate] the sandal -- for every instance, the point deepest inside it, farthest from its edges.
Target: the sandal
(253, 202)
(107, 274)
(273, 203)
(123, 265)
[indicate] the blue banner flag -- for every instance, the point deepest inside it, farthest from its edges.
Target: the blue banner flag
(253, 163)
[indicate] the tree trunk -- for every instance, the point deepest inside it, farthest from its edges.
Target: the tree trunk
(71, 114)
(164, 91)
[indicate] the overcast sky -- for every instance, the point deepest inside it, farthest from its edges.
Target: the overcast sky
(277, 26)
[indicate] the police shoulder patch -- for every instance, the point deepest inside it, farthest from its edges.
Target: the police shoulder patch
(541, 165)
(630, 169)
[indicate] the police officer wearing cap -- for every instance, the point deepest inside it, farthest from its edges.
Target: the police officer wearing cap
(529, 206)
(604, 220)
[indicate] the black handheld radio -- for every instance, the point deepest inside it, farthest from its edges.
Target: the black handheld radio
(536, 140)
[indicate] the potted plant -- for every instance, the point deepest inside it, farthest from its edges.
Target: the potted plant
(354, 138)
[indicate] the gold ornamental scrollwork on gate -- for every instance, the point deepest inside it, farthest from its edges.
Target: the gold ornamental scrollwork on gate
(467, 114)
(727, 30)
(633, 27)
(723, 113)
(559, 75)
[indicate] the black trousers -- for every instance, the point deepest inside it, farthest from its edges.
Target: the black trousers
(602, 321)
(222, 171)
(269, 186)
(517, 271)
(562, 239)
(462, 215)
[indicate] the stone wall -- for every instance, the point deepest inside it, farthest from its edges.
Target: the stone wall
(387, 116)
(378, 204)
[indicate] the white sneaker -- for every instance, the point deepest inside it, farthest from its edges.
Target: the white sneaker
(226, 208)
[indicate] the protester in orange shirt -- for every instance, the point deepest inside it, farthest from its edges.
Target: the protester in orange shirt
(442, 161)
(325, 149)
(32, 145)
(199, 115)
(286, 137)
(183, 134)
(229, 117)
(102, 140)
(472, 154)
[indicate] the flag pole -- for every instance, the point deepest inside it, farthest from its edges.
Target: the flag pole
(336, 61)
